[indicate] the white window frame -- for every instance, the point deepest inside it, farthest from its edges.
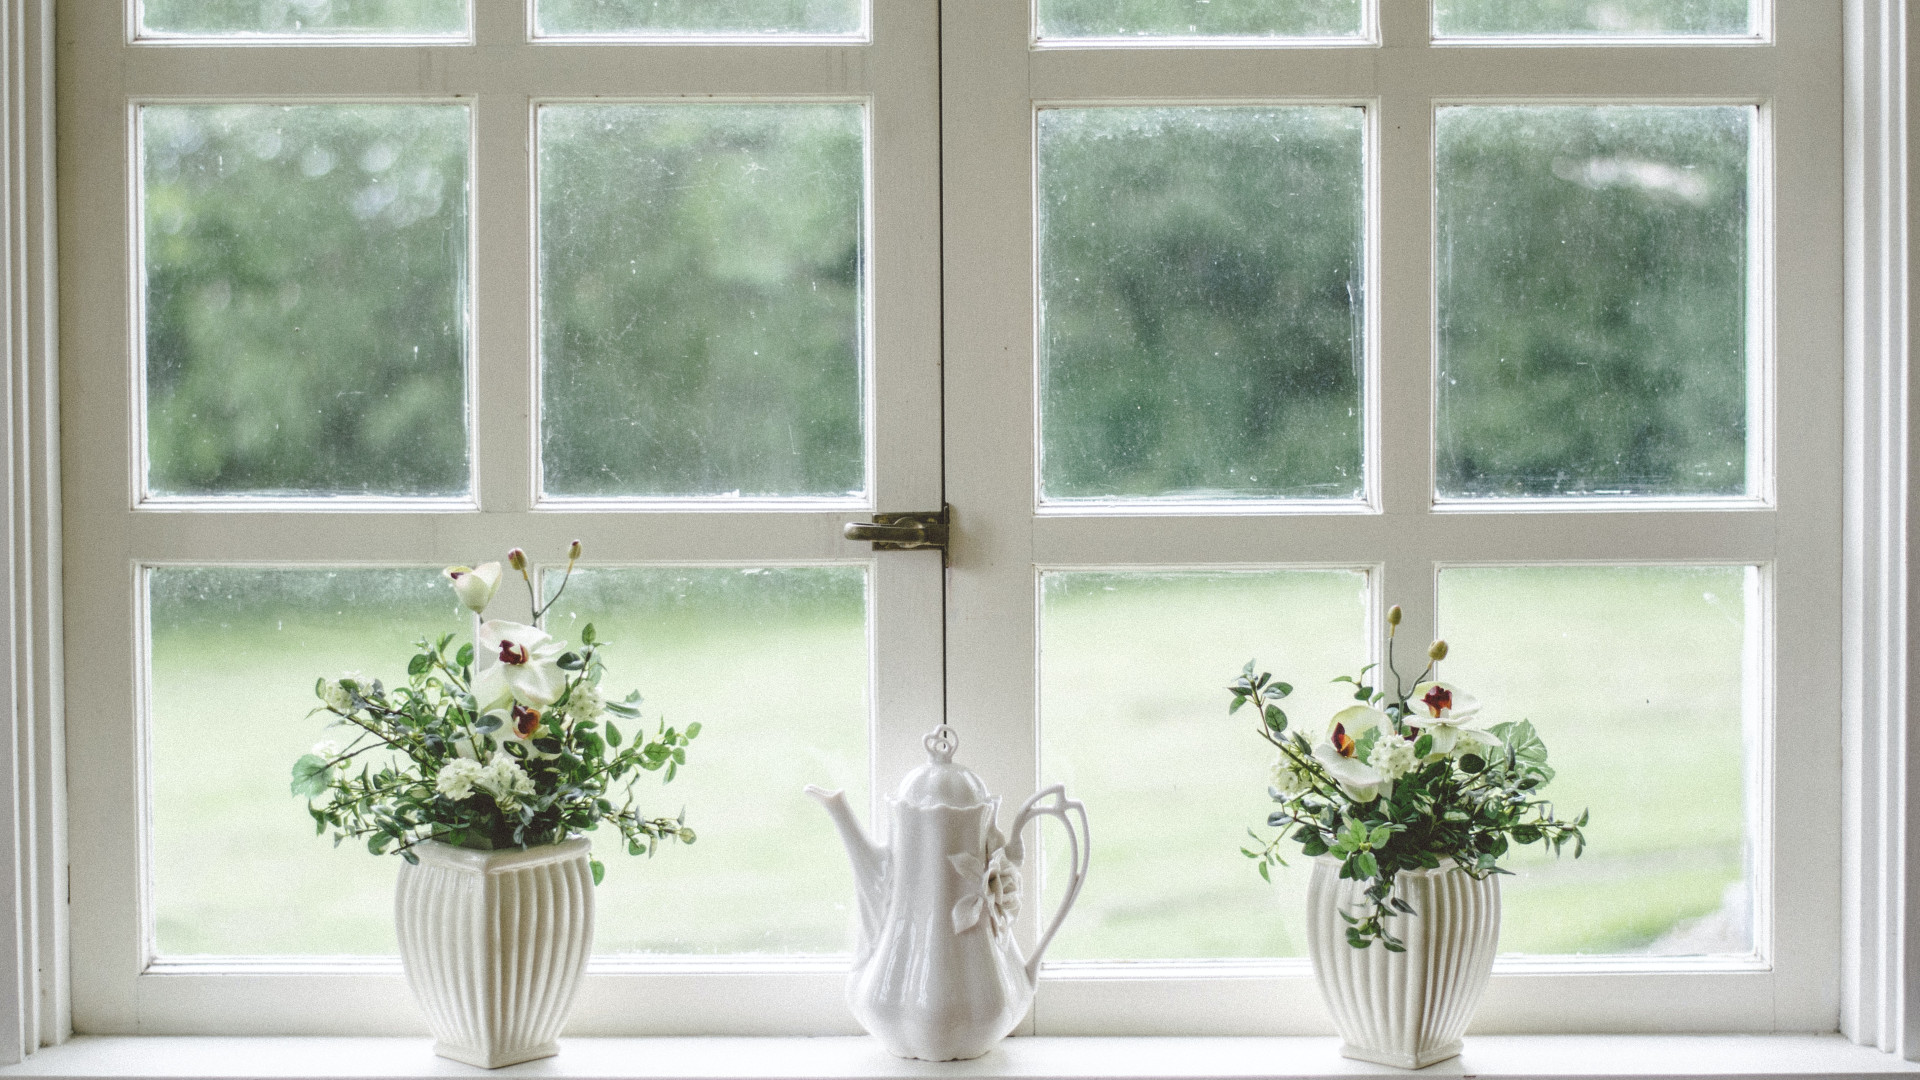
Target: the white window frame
(1398, 531)
(502, 75)
(1878, 955)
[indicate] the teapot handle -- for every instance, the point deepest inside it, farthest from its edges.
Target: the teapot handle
(1067, 810)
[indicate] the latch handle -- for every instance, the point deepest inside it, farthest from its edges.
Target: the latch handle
(903, 532)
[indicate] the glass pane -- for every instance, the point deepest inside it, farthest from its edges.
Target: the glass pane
(305, 272)
(767, 874)
(237, 868)
(1638, 680)
(1198, 18)
(303, 18)
(701, 282)
(1133, 720)
(1201, 278)
(1592, 286)
(701, 18)
(1599, 18)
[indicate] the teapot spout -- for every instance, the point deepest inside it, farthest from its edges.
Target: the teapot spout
(869, 864)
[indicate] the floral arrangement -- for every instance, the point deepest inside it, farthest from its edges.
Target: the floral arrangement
(507, 742)
(1402, 781)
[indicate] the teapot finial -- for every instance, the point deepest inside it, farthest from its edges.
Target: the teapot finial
(941, 742)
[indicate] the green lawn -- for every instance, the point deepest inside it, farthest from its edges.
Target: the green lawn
(1633, 677)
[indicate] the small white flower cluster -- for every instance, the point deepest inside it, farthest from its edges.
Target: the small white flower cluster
(1392, 756)
(326, 749)
(334, 695)
(585, 703)
(1287, 779)
(501, 777)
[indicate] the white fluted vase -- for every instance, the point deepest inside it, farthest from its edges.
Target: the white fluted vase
(494, 944)
(1404, 1008)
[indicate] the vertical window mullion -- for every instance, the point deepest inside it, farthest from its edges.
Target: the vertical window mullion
(500, 317)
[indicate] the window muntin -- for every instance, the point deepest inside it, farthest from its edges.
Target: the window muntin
(702, 300)
(305, 296)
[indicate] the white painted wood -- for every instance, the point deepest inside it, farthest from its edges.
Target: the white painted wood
(1880, 958)
(32, 924)
(1516, 1057)
(501, 76)
(1789, 527)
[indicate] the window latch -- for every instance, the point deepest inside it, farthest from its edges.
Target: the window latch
(904, 532)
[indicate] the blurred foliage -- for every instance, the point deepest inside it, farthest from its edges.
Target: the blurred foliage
(699, 16)
(702, 278)
(1624, 17)
(1592, 290)
(304, 16)
(306, 298)
(1199, 18)
(700, 299)
(1202, 276)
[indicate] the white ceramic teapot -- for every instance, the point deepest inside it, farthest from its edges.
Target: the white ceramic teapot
(936, 972)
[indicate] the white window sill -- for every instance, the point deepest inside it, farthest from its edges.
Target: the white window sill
(1585, 1057)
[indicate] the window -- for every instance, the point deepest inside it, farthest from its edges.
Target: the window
(1238, 329)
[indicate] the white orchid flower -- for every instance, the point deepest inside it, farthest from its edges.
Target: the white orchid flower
(1451, 716)
(1362, 782)
(474, 585)
(516, 664)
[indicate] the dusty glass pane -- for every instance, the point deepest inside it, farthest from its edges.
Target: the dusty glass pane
(1198, 18)
(1592, 287)
(1637, 679)
(316, 18)
(305, 273)
(766, 875)
(697, 18)
(1599, 18)
(1201, 279)
(1133, 719)
(701, 283)
(235, 652)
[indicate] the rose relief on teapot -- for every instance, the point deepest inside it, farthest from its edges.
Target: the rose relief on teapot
(937, 973)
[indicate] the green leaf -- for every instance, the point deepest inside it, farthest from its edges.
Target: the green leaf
(586, 635)
(1380, 835)
(1264, 873)
(1368, 866)
(1281, 689)
(420, 664)
(1423, 745)
(599, 868)
(311, 775)
(613, 735)
(1276, 720)
(693, 730)
(1237, 702)
(1472, 764)
(464, 658)
(487, 724)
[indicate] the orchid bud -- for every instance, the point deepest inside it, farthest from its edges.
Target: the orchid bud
(1437, 650)
(474, 585)
(1393, 615)
(517, 559)
(573, 550)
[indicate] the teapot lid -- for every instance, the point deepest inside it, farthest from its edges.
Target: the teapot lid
(940, 782)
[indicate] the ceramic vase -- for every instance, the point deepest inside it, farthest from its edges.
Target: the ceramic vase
(1404, 1008)
(494, 944)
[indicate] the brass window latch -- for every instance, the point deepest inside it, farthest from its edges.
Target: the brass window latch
(904, 532)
